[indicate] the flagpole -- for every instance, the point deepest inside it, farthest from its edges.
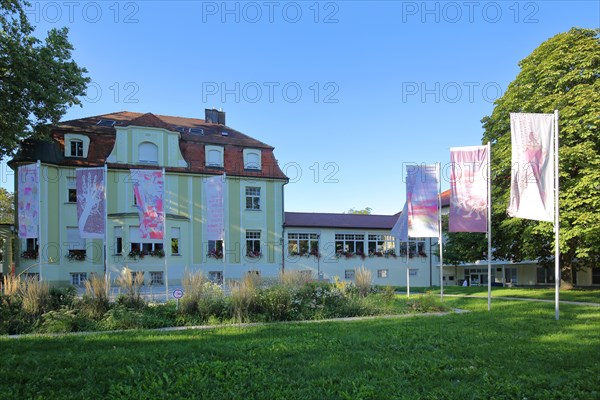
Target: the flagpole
(440, 231)
(556, 220)
(407, 269)
(105, 224)
(489, 223)
(39, 173)
(165, 236)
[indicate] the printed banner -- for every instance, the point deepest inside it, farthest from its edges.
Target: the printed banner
(148, 187)
(468, 184)
(215, 224)
(400, 229)
(91, 202)
(29, 200)
(532, 178)
(422, 191)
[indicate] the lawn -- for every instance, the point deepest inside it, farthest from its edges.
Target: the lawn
(515, 351)
(583, 295)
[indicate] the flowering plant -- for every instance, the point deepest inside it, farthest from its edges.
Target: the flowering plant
(30, 254)
(78, 255)
(253, 254)
(217, 254)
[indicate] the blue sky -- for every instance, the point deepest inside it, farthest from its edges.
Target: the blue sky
(345, 91)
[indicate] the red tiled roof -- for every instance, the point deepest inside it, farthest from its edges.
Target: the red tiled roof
(102, 140)
(446, 198)
(342, 221)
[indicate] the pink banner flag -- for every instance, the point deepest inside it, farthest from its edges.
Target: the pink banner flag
(422, 191)
(400, 229)
(29, 200)
(468, 184)
(148, 187)
(215, 225)
(532, 178)
(91, 202)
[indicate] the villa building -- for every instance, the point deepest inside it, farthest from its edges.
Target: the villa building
(187, 150)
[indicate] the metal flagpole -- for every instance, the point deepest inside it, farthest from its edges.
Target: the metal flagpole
(106, 225)
(164, 176)
(440, 230)
(407, 268)
(225, 219)
(556, 219)
(39, 176)
(489, 222)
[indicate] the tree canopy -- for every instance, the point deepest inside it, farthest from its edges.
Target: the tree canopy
(562, 73)
(39, 80)
(365, 211)
(7, 207)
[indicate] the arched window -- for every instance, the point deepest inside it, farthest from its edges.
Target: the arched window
(148, 153)
(214, 156)
(252, 159)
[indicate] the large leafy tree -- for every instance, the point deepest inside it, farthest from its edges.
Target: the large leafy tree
(563, 73)
(39, 80)
(7, 207)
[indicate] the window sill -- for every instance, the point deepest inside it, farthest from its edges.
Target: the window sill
(176, 255)
(253, 209)
(71, 202)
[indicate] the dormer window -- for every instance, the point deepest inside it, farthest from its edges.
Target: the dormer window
(76, 145)
(214, 156)
(148, 153)
(76, 148)
(252, 159)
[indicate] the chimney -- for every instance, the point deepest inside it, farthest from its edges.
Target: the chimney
(214, 116)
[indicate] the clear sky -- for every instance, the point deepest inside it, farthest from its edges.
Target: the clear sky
(346, 91)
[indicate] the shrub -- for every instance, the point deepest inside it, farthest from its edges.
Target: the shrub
(243, 298)
(131, 283)
(120, 317)
(35, 296)
(292, 278)
(13, 320)
(426, 303)
(388, 293)
(364, 280)
(276, 303)
(201, 297)
(11, 284)
(62, 297)
(94, 303)
(59, 321)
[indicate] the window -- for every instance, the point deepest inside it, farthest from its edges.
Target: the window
(76, 146)
(416, 247)
(252, 159)
(303, 244)
(412, 272)
(175, 232)
(596, 276)
(31, 244)
(134, 198)
(380, 244)
(349, 243)
(156, 277)
(75, 243)
(118, 232)
(215, 248)
(545, 275)
(214, 156)
(477, 276)
(252, 198)
(253, 243)
(510, 275)
(144, 247)
(72, 190)
(382, 273)
(148, 153)
(78, 278)
(349, 274)
(216, 277)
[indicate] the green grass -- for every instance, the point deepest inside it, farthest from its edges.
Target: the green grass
(583, 295)
(515, 351)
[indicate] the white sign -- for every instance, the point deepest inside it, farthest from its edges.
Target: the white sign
(178, 293)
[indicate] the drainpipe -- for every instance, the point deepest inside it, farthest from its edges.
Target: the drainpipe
(430, 264)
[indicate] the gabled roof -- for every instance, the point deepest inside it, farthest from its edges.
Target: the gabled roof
(340, 221)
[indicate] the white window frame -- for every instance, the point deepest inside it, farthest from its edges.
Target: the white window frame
(253, 193)
(148, 153)
(350, 243)
(71, 187)
(380, 244)
(253, 242)
(302, 243)
(349, 274)
(176, 235)
(78, 278)
(216, 277)
(75, 138)
(252, 159)
(157, 278)
(118, 235)
(219, 151)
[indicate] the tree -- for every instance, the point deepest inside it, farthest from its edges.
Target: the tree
(463, 247)
(38, 80)
(562, 73)
(364, 211)
(7, 207)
